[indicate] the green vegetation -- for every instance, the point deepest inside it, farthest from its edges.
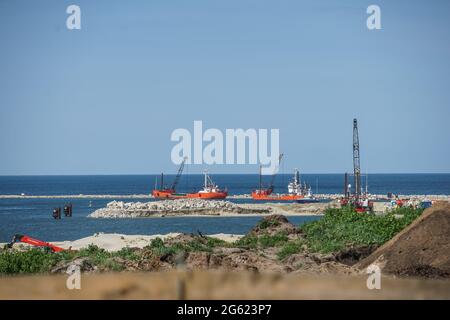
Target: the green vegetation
(207, 244)
(262, 241)
(264, 224)
(30, 261)
(37, 260)
(290, 248)
(339, 228)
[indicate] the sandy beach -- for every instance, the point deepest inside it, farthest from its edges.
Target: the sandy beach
(114, 242)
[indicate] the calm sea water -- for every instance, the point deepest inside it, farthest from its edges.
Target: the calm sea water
(33, 216)
(236, 183)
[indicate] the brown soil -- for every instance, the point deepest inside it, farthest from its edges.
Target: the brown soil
(421, 249)
(352, 255)
(274, 224)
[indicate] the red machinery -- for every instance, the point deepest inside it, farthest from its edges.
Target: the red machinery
(34, 242)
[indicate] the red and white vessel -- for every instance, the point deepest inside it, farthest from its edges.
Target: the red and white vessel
(296, 191)
(210, 191)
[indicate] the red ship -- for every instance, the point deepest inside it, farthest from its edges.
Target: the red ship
(210, 189)
(296, 191)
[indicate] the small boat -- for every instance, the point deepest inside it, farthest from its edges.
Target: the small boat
(308, 198)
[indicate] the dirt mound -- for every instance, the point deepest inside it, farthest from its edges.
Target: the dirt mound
(235, 261)
(422, 249)
(274, 224)
(183, 238)
(350, 256)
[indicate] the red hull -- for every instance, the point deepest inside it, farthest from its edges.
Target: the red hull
(256, 195)
(208, 195)
(167, 194)
(163, 194)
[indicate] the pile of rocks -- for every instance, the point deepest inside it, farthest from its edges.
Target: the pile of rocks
(120, 209)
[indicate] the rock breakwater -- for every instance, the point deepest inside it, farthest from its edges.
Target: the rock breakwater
(120, 209)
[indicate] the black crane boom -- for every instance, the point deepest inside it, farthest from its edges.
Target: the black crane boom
(272, 182)
(180, 171)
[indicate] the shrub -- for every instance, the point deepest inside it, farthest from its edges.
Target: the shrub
(343, 227)
(262, 241)
(34, 260)
(290, 248)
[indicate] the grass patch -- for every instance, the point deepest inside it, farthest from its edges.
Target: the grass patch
(30, 261)
(159, 248)
(37, 260)
(290, 248)
(343, 227)
(264, 224)
(263, 241)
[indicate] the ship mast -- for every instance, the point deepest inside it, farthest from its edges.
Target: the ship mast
(206, 178)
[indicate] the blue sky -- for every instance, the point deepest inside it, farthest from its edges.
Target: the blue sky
(105, 99)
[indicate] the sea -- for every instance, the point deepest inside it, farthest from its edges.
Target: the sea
(33, 216)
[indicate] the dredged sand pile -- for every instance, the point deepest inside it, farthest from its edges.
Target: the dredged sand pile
(421, 249)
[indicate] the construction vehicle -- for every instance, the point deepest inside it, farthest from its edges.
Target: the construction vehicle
(34, 242)
(357, 200)
(165, 193)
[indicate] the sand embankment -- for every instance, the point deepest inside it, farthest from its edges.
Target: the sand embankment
(421, 249)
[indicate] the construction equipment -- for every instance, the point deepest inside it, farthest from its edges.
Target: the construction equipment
(33, 242)
(261, 193)
(272, 182)
(360, 202)
(356, 161)
(164, 192)
(180, 171)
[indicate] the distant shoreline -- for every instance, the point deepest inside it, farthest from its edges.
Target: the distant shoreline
(240, 196)
(200, 174)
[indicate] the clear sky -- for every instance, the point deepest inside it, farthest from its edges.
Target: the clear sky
(105, 99)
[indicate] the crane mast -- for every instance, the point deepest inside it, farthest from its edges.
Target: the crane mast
(180, 171)
(272, 182)
(356, 160)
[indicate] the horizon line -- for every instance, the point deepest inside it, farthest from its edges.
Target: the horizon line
(200, 173)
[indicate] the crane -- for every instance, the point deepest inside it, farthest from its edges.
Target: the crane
(359, 202)
(356, 161)
(272, 182)
(165, 193)
(180, 171)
